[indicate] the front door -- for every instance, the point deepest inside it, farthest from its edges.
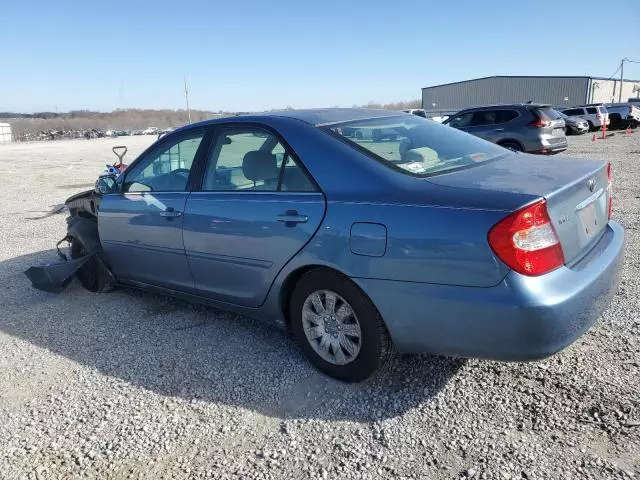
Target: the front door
(257, 208)
(141, 228)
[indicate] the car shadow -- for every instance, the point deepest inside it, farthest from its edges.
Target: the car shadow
(194, 352)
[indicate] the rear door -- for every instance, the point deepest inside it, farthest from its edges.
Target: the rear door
(593, 116)
(256, 209)
(141, 227)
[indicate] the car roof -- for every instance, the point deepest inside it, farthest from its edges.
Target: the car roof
(316, 116)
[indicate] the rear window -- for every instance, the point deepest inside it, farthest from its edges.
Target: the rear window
(547, 114)
(414, 145)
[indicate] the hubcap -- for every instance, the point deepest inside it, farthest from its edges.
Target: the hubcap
(331, 327)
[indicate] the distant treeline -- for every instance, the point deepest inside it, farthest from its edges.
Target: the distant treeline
(23, 124)
(131, 119)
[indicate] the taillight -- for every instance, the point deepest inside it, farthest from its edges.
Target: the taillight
(527, 242)
(610, 189)
(539, 123)
(598, 116)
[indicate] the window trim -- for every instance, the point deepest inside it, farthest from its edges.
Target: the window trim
(173, 138)
(219, 128)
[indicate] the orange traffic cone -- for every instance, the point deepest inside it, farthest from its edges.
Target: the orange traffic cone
(593, 139)
(628, 131)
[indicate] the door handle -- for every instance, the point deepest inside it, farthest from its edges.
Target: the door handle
(291, 218)
(170, 212)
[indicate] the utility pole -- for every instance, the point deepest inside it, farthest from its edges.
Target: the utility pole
(186, 96)
(621, 78)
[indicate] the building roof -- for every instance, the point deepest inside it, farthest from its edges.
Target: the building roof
(530, 76)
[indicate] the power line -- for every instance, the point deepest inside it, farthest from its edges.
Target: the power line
(611, 76)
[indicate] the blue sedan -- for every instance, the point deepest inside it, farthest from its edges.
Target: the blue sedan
(364, 232)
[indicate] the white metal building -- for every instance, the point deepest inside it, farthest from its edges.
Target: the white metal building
(5, 133)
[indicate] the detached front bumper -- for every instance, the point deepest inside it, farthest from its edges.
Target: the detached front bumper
(522, 318)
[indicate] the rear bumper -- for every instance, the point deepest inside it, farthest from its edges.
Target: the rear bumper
(522, 318)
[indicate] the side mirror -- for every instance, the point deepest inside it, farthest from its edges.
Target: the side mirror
(107, 184)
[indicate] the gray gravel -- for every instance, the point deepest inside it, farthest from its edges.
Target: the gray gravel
(132, 385)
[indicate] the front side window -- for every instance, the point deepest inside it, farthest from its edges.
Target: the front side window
(416, 146)
(252, 159)
(167, 168)
(461, 121)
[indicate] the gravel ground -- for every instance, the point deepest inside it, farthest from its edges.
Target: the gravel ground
(132, 385)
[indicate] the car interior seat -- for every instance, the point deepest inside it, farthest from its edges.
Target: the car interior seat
(261, 166)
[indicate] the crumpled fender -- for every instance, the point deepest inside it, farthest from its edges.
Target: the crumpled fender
(85, 230)
(54, 277)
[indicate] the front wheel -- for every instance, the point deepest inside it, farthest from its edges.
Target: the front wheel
(337, 327)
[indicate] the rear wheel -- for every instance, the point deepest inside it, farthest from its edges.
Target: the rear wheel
(337, 327)
(511, 145)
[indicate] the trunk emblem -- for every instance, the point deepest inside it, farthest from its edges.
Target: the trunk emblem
(591, 184)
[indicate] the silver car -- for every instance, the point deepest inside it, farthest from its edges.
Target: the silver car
(575, 125)
(527, 127)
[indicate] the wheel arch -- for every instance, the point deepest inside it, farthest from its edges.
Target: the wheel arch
(504, 141)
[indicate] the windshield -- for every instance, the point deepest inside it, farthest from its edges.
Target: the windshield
(415, 145)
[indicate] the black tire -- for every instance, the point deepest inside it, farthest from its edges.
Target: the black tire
(375, 343)
(511, 145)
(633, 124)
(89, 275)
(591, 129)
(615, 123)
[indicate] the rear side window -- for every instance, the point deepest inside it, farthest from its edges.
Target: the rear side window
(592, 110)
(252, 159)
(505, 116)
(547, 114)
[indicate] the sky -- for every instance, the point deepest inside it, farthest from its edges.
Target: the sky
(249, 55)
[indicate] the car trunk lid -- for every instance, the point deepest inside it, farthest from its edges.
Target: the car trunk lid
(550, 121)
(575, 191)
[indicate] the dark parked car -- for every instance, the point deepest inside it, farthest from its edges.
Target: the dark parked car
(437, 242)
(574, 125)
(529, 128)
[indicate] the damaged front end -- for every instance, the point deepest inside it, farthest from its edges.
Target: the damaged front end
(87, 261)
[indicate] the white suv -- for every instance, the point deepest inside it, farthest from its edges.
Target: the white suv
(594, 115)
